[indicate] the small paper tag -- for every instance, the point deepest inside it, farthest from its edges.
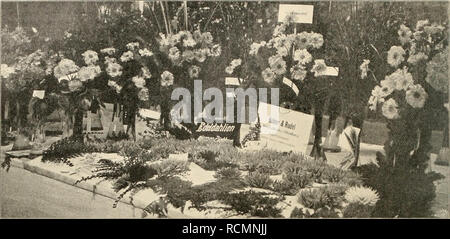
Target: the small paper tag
(291, 84)
(39, 94)
(299, 13)
(232, 81)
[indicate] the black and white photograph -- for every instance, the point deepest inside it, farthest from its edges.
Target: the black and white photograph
(224, 110)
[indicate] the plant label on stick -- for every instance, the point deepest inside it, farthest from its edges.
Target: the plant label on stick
(232, 81)
(291, 84)
(39, 94)
(298, 13)
(330, 71)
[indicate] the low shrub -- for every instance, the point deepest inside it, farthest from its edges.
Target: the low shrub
(334, 175)
(357, 210)
(284, 187)
(228, 173)
(258, 180)
(319, 213)
(170, 167)
(254, 203)
(329, 196)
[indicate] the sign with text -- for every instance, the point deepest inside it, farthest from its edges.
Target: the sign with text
(223, 130)
(299, 13)
(289, 131)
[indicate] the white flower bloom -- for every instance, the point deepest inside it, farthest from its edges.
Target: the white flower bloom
(395, 56)
(319, 67)
(282, 51)
(90, 57)
(236, 62)
(361, 195)
(207, 38)
(279, 30)
(298, 72)
(316, 40)
(404, 34)
(189, 42)
(268, 75)
(416, 58)
(364, 67)
(167, 78)
(420, 25)
(254, 48)
(88, 73)
(146, 73)
(143, 94)
(229, 70)
(301, 40)
(110, 60)
(390, 109)
(114, 69)
(145, 52)
(132, 45)
(416, 96)
(138, 81)
(194, 72)
(65, 67)
(127, 56)
(278, 66)
(402, 79)
(109, 50)
(200, 56)
(188, 55)
(302, 56)
(6, 71)
(216, 50)
(174, 54)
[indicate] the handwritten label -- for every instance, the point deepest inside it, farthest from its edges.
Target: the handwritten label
(299, 13)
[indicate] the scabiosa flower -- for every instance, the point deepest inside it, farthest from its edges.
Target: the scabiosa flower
(416, 58)
(75, 85)
(110, 51)
(298, 72)
(194, 72)
(114, 69)
(282, 51)
(127, 56)
(404, 34)
(200, 56)
(416, 96)
(145, 52)
(132, 45)
(138, 81)
(302, 56)
(319, 67)
(395, 56)
(361, 195)
(188, 55)
(88, 73)
(207, 38)
(278, 66)
(90, 57)
(301, 40)
(316, 40)
(402, 79)
(390, 109)
(268, 75)
(64, 68)
(166, 78)
(143, 94)
(364, 67)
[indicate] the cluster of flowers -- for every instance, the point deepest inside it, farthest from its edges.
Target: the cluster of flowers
(114, 69)
(187, 49)
(75, 75)
(27, 68)
(288, 50)
(399, 86)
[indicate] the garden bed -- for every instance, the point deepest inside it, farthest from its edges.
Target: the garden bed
(206, 178)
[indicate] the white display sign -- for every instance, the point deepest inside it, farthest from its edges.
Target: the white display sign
(299, 13)
(39, 94)
(289, 131)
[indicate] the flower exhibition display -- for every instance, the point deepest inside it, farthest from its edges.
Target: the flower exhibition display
(93, 106)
